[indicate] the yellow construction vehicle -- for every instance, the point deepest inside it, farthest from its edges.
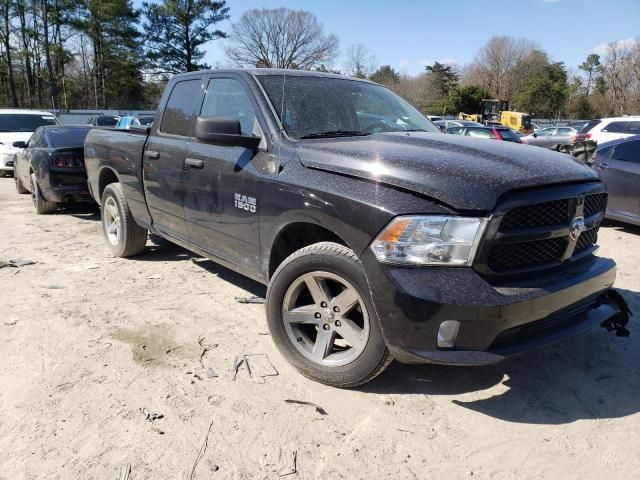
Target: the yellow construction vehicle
(521, 122)
(494, 111)
(474, 117)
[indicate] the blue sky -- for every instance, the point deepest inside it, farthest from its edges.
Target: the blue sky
(407, 34)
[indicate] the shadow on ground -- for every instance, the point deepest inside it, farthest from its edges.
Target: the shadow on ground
(161, 250)
(593, 375)
(623, 227)
(83, 211)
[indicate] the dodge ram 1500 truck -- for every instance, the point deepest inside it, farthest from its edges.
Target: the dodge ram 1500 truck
(378, 236)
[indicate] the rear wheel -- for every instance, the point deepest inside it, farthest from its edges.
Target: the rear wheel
(39, 203)
(124, 236)
(321, 317)
(20, 188)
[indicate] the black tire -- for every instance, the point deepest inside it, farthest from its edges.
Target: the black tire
(20, 188)
(131, 238)
(340, 261)
(39, 203)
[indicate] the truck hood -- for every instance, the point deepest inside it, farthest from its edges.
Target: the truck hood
(464, 173)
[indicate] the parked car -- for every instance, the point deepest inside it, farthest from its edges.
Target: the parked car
(552, 137)
(51, 167)
(17, 126)
(103, 120)
(618, 162)
(492, 132)
(444, 125)
(607, 129)
(413, 245)
(129, 121)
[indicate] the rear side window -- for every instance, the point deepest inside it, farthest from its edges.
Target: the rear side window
(633, 128)
(616, 127)
(455, 131)
(226, 98)
(508, 135)
(565, 132)
(182, 108)
(627, 152)
(479, 133)
(589, 125)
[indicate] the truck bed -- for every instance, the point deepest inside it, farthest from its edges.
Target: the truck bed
(116, 155)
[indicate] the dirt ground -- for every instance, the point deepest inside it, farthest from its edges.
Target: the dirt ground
(93, 348)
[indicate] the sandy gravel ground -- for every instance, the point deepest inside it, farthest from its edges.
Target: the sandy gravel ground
(93, 348)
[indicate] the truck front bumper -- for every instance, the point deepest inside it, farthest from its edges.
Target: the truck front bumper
(495, 321)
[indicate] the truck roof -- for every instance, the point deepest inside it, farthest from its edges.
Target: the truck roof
(272, 71)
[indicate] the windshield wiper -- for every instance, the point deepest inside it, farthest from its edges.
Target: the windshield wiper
(336, 133)
(414, 130)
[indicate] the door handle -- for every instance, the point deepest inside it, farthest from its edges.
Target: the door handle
(194, 163)
(151, 155)
(603, 165)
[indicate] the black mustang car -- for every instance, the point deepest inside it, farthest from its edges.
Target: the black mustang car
(51, 167)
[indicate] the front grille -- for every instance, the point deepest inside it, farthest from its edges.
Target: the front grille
(594, 204)
(537, 215)
(536, 236)
(513, 256)
(586, 240)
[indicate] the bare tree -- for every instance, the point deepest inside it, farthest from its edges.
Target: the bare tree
(618, 72)
(280, 38)
(359, 61)
(505, 63)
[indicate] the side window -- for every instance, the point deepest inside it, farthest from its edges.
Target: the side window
(36, 140)
(226, 98)
(615, 127)
(565, 132)
(633, 128)
(454, 131)
(182, 108)
(545, 132)
(627, 152)
(604, 153)
(479, 133)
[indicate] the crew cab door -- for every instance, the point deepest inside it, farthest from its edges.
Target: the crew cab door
(164, 155)
(221, 183)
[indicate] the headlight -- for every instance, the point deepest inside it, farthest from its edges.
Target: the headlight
(429, 240)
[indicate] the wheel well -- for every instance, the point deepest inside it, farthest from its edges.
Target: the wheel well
(296, 236)
(107, 176)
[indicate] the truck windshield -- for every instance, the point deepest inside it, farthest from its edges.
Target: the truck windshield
(24, 122)
(313, 107)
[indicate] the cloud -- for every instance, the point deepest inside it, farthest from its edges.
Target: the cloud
(603, 48)
(404, 63)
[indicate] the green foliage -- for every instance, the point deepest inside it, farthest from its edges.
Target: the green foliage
(443, 78)
(385, 75)
(177, 29)
(544, 94)
(466, 99)
(590, 66)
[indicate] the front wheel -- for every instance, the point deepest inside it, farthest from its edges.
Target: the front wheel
(124, 236)
(322, 319)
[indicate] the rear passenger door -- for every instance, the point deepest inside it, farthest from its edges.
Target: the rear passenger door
(621, 173)
(222, 200)
(164, 155)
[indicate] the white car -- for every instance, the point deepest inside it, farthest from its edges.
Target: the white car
(607, 129)
(17, 126)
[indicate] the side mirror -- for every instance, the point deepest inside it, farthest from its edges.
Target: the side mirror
(224, 131)
(19, 144)
(535, 135)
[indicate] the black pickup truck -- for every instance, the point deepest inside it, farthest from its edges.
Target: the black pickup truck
(378, 236)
